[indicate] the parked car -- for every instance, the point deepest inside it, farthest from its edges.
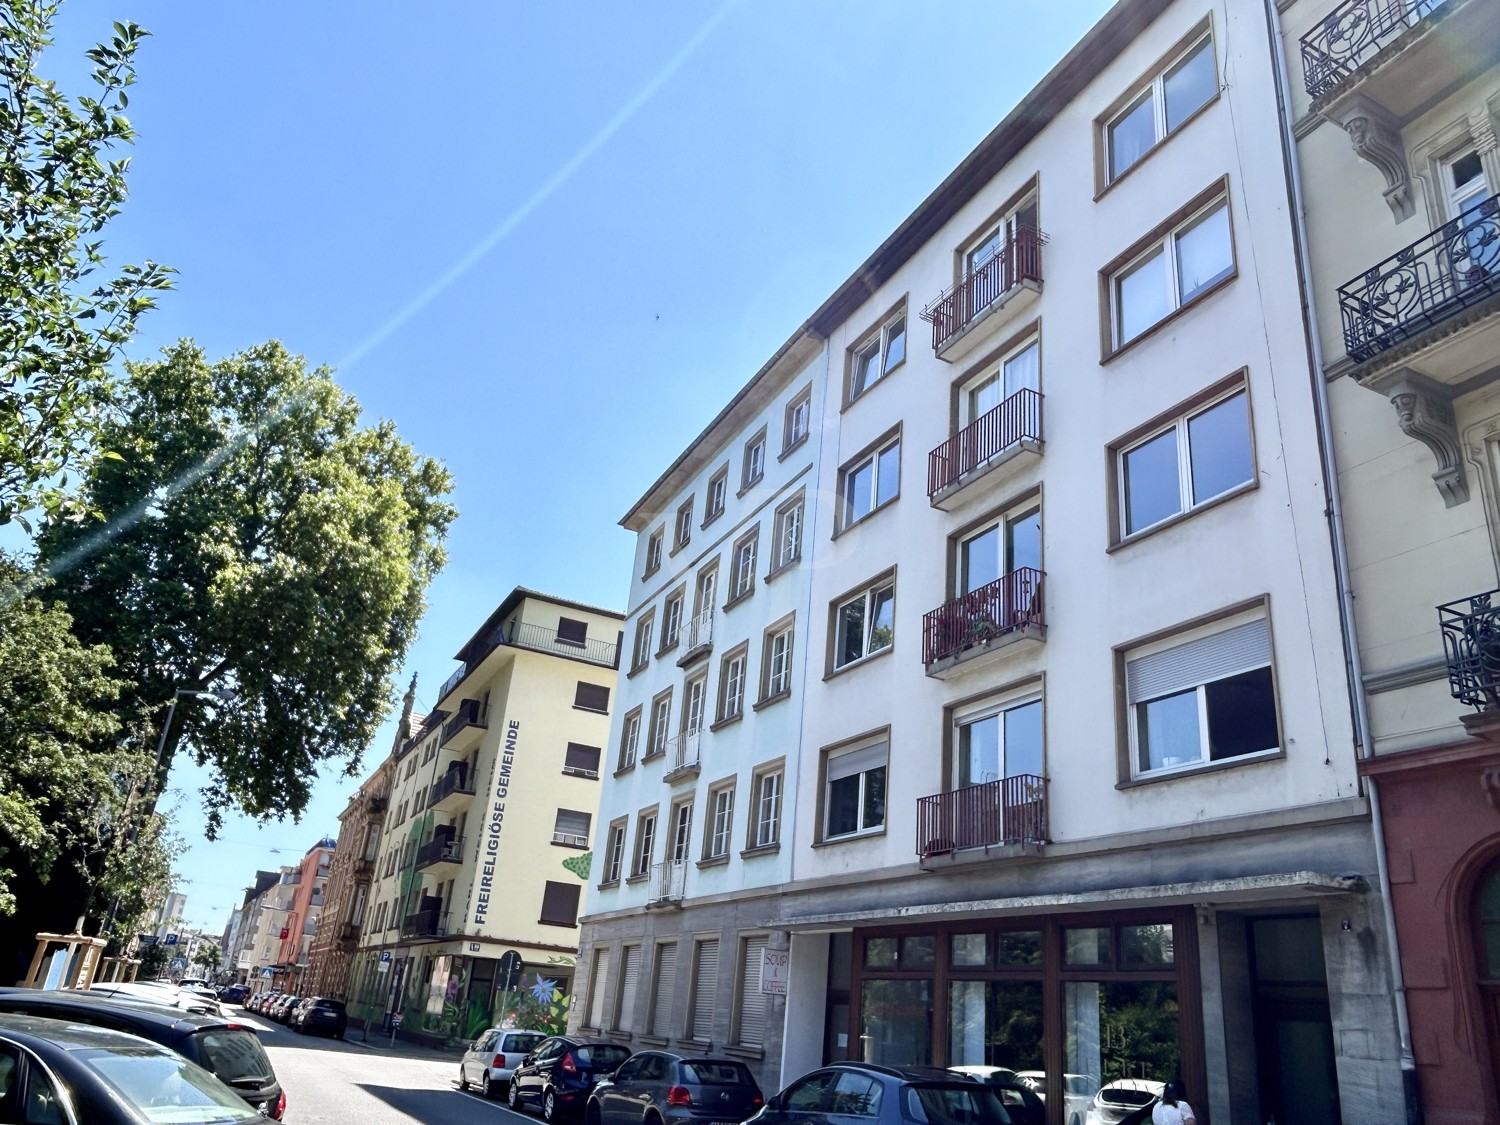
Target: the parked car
(281, 1008)
(67, 1073)
(229, 1050)
(1024, 1104)
(233, 994)
(660, 1088)
(157, 992)
(260, 1000)
(558, 1075)
(884, 1095)
(321, 1014)
(1122, 1101)
(490, 1059)
(1078, 1093)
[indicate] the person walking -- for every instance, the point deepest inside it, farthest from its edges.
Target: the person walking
(1172, 1110)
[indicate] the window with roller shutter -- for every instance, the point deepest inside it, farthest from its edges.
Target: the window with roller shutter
(665, 982)
(630, 973)
(599, 976)
(751, 1021)
(705, 989)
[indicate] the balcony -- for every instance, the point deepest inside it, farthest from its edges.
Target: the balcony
(668, 881)
(697, 638)
(964, 316)
(1010, 811)
(431, 923)
(363, 869)
(440, 856)
(452, 789)
(1009, 433)
(349, 933)
(1471, 642)
(521, 634)
(375, 807)
(463, 731)
(685, 750)
(974, 630)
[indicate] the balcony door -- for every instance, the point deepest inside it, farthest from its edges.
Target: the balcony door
(1019, 371)
(708, 583)
(992, 244)
(1474, 250)
(1000, 549)
(999, 741)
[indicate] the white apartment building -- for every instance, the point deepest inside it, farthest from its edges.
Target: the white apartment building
(1075, 787)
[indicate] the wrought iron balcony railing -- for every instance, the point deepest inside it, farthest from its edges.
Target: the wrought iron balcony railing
(1016, 419)
(456, 780)
(1012, 810)
(686, 749)
(425, 923)
(668, 881)
(1436, 277)
(1020, 259)
(698, 633)
(1352, 34)
(992, 611)
(442, 849)
(466, 714)
(1471, 641)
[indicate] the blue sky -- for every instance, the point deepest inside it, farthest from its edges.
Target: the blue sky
(548, 240)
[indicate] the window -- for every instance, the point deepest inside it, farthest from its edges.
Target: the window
(997, 740)
(682, 831)
(571, 828)
(614, 852)
(630, 739)
(713, 502)
(798, 421)
(684, 525)
(1204, 699)
(776, 662)
(854, 793)
(705, 995)
(1196, 457)
(767, 831)
(664, 982)
(645, 842)
(787, 546)
(1463, 181)
(755, 460)
(1011, 543)
(581, 761)
(642, 650)
(742, 565)
(751, 1010)
(869, 481)
(1183, 85)
(630, 975)
(598, 978)
(877, 356)
(864, 624)
(661, 724)
(694, 708)
(1018, 370)
(560, 904)
(671, 623)
(1171, 272)
(653, 553)
(705, 591)
(570, 632)
(732, 683)
(591, 697)
(721, 822)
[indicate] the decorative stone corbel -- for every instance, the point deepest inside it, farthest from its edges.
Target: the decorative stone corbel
(1376, 137)
(1424, 411)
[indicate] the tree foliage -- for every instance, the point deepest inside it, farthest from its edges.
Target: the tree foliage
(255, 537)
(62, 321)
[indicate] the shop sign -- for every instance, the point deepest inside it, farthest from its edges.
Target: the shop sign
(773, 971)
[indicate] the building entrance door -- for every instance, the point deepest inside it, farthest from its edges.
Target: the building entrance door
(1293, 1027)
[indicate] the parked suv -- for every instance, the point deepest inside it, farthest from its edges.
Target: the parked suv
(659, 1088)
(558, 1075)
(230, 1050)
(321, 1014)
(491, 1059)
(884, 1095)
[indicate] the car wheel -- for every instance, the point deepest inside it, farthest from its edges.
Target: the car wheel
(463, 1079)
(514, 1097)
(549, 1107)
(491, 1088)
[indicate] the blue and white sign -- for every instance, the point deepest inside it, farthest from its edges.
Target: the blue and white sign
(171, 939)
(385, 954)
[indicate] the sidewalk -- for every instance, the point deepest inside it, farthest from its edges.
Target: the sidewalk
(405, 1046)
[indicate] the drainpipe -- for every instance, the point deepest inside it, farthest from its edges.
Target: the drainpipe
(1364, 747)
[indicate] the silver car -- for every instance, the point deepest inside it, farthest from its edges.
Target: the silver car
(491, 1059)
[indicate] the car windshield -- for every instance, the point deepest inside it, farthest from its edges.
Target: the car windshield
(717, 1073)
(168, 1089)
(600, 1056)
(235, 1056)
(965, 1104)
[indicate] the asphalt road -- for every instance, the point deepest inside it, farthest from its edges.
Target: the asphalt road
(328, 1082)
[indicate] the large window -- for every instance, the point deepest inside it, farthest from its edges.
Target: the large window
(865, 623)
(870, 481)
(876, 356)
(641, 651)
(997, 740)
(591, 697)
(581, 761)
(713, 503)
(560, 904)
(614, 852)
(1205, 697)
(682, 832)
(630, 739)
(798, 421)
(1196, 457)
(787, 546)
(754, 465)
(661, 724)
(571, 828)
(671, 621)
(1171, 271)
(684, 524)
(776, 662)
(645, 842)
(721, 822)
(854, 790)
(1185, 83)
(732, 671)
(766, 831)
(742, 565)
(653, 553)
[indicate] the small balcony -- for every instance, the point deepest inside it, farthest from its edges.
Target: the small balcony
(967, 315)
(538, 638)
(440, 856)
(685, 751)
(1010, 811)
(451, 790)
(965, 466)
(1471, 642)
(463, 731)
(431, 923)
(974, 630)
(668, 881)
(349, 934)
(375, 807)
(363, 869)
(697, 638)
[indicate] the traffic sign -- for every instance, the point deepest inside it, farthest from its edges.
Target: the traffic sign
(509, 973)
(385, 954)
(171, 939)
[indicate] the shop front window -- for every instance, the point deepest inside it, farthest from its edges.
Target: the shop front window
(1122, 1030)
(896, 1017)
(995, 1023)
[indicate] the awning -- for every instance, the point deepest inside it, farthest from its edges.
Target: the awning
(1240, 891)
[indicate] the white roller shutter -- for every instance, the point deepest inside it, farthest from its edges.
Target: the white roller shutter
(666, 985)
(751, 1031)
(705, 989)
(630, 974)
(1199, 661)
(597, 989)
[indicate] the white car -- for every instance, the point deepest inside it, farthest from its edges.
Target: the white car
(151, 992)
(493, 1057)
(1078, 1093)
(1117, 1100)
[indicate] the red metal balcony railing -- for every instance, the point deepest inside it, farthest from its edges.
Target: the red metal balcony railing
(1012, 810)
(1352, 34)
(1016, 419)
(983, 615)
(1020, 259)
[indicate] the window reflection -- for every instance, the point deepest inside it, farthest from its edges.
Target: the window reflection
(897, 1022)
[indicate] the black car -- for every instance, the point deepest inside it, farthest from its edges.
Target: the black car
(230, 1050)
(558, 1075)
(321, 1014)
(57, 1072)
(660, 1088)
(233, 993)
(884, 1095)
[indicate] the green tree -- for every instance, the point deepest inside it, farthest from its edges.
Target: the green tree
(255, 537)
(62, 321)
(210, 956)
